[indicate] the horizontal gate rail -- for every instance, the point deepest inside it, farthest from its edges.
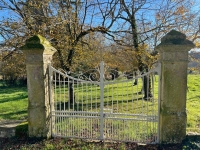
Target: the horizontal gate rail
(106, 115)
(84, 112)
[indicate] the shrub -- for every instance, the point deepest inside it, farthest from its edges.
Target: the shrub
(14, 69)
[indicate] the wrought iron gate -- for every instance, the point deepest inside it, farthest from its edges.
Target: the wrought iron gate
(92, 105)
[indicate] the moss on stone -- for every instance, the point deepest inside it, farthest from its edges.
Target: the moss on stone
(175, 38)
(36, 42)
(174, 32)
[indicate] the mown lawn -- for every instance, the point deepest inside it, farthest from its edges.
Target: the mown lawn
(14, 103)
(193, 103)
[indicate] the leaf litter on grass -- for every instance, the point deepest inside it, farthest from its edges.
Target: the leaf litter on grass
(77, 144)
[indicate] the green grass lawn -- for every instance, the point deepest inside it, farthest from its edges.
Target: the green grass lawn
(193, 103)
(14, 103)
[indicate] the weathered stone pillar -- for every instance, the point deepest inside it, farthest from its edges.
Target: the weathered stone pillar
(39, 54)
(173, 52)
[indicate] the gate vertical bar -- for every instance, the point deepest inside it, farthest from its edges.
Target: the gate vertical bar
(101, 99)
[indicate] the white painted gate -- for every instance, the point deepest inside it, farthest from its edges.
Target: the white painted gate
(93, 106)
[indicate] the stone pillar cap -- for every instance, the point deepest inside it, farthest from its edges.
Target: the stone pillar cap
(37, 42)
(175, 39)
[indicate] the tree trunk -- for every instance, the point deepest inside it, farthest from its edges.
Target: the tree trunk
(71, 89)
(64, 66)
(71, 94)
(141, 66)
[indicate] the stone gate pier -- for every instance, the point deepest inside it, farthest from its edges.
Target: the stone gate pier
(173, 51)
(39, 54)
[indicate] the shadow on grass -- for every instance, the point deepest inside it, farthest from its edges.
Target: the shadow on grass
(18, 143)
(10, 89)
(191, 142)
(81, 106)
(193, 98)
(18, 98)
(11, 115)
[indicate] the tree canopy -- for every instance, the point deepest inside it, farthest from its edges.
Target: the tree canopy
(87, 31)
